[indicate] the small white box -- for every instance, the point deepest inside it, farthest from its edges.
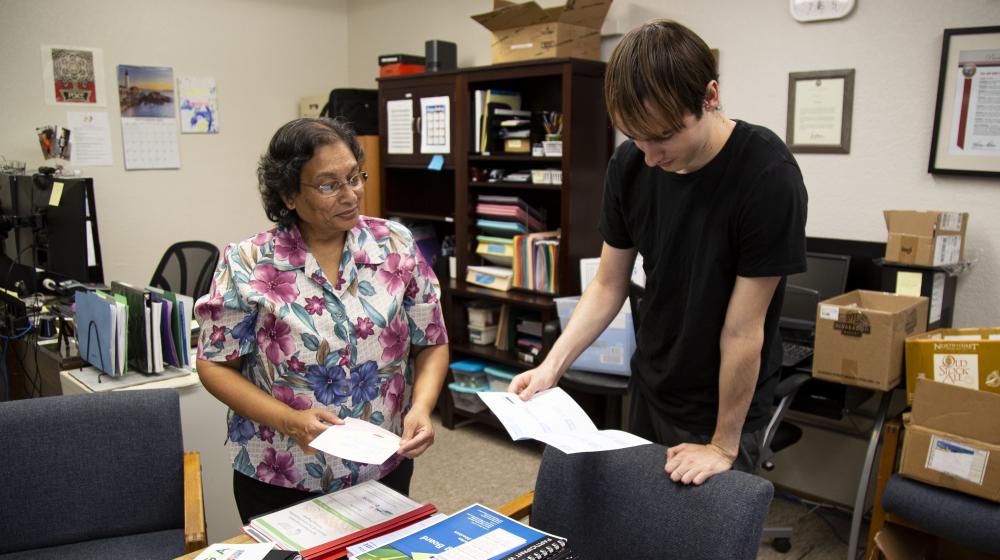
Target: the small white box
(481, 317)
(555, 176)
(482, 335)
(552, 148)
(541, 176)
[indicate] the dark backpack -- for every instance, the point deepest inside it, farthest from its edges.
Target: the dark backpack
(356, 106)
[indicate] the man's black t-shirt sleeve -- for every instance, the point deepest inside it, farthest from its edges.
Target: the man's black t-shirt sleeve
(771, 224)
(612, 223)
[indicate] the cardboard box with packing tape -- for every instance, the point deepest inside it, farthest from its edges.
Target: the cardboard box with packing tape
(860, 334)
(925, 238)
(529, 32)
(952, 439)
(967, 358)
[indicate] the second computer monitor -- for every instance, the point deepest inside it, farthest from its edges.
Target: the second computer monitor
(824, 278)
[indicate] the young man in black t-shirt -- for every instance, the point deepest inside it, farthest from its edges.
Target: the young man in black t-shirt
(717, 208)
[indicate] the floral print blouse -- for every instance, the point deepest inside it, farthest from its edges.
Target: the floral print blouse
(308, 340)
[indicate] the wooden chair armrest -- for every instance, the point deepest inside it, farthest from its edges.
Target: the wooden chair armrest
(195, 535)
(519, 508)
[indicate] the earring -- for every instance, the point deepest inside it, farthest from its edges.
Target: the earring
(284, 212)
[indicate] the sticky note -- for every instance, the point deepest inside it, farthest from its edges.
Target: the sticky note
(437, 162)
(56, 197)
(909, 283)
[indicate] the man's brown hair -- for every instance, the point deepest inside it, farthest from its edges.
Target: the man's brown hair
(661, 64)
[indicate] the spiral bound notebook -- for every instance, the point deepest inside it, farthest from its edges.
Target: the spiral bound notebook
(474, 532)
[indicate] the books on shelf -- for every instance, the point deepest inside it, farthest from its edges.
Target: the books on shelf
(323, 527)
(536, 262)
(496, 250)
(510, 212)
(501, 228)
(474, 532)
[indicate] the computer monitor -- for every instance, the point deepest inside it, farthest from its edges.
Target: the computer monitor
(824, 278)
(48, 227)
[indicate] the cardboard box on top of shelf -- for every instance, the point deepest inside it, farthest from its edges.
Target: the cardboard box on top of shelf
(527, 31)
(925, 238)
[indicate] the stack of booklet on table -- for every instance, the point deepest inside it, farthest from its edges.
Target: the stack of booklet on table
(370, 521)
(475, 533)
(323, 527)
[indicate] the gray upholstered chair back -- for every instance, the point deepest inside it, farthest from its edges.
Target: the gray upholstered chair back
(621, 504)
(84, 467)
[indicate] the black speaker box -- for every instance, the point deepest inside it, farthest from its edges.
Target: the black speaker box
(440, 55)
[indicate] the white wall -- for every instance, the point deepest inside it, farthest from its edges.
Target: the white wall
(894, 46)
(264, 56)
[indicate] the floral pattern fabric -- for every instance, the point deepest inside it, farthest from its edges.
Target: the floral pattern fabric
(308, 340)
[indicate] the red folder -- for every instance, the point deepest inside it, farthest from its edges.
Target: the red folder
(338, 548)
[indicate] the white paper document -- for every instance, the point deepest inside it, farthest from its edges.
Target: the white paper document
(435, 125)
(224, 551)
(357, 440)
(91, 139)
(554, 418)
(399, 113)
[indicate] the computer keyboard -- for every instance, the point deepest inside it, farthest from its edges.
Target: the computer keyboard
(793, 354)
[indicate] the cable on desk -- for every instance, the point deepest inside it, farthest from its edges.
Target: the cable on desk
(3, 363)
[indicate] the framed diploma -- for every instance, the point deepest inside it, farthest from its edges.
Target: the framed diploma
(820, 105)
(966, 137)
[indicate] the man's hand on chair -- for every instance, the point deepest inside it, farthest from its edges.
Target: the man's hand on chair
(691, 463)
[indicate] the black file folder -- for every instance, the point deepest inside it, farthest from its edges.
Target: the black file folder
(141, 339)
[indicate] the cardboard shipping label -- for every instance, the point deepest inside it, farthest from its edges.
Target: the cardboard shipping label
(853, 323)
(831, 312)
(951, 221)
(947, 249)
(957, 459)
(957, 369)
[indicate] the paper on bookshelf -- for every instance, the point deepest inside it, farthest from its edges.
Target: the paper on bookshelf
(554, 418)
(331, 516)
(358, 440)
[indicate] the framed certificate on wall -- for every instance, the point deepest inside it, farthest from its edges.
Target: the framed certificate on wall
(820, 106)
(966, 132)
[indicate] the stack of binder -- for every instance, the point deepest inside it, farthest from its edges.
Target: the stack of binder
(500, 218)
(536, 262)
(133, 329)
(492, 108)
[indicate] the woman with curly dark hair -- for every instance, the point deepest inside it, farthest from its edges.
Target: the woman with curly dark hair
(315, 321)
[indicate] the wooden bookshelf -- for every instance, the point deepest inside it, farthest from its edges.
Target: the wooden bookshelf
(411, 190)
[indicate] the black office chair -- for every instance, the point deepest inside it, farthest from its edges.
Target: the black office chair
(778, 435)
(186, 268)
(620, 504)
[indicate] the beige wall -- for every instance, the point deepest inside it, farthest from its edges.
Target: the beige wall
(894, 46)
(264, 56)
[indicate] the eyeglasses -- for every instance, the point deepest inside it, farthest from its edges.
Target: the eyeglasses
(353, 183)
